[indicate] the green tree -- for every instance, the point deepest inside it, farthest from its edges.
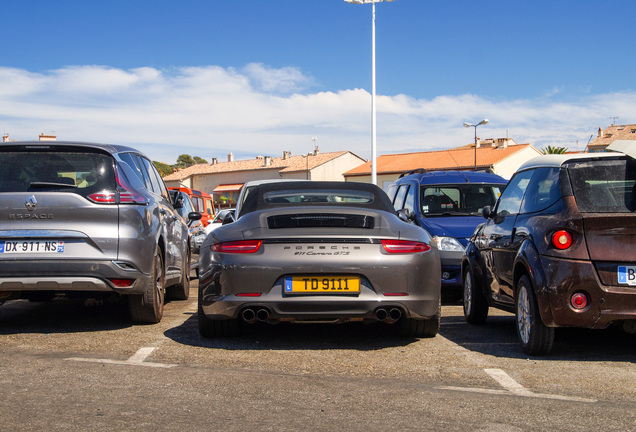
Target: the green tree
(554, 150)
(184, 161)
(164, 169)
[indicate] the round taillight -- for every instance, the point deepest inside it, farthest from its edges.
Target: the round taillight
(562, 239)
(578, 301)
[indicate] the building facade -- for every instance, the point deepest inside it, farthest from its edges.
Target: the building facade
(501, 156)
(609, 135)
(224, 180)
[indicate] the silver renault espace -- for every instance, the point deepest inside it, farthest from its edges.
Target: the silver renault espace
(82, 219)
(318, 252)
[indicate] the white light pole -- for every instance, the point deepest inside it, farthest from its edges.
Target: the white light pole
(374, 171)
(484, 121)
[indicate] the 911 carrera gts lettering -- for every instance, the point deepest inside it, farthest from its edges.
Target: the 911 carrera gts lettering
(341, 253)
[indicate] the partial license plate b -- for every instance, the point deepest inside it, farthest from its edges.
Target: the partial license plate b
(322, 285)
(31, 246)
(627, 275)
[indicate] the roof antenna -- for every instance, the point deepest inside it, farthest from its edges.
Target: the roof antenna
(614, 120)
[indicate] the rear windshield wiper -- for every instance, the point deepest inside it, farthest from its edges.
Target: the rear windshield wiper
(44, 185)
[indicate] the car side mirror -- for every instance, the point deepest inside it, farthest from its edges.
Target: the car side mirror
(406, 215)
(194, 216)
(487, 212)
(229, 218)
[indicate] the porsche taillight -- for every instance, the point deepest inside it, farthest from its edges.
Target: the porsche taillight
(404, 246)
(240, 246)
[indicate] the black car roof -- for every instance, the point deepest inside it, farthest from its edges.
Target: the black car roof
(255, 199)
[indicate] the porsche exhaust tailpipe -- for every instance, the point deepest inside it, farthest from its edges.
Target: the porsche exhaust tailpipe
(262, 314)
(248, 315)
(395, 314)
(381, 314)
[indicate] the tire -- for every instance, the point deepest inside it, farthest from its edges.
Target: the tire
(181, 291)
(209, 328)
(535, 338)
(148, 307)
(421, 328)
(475, 303)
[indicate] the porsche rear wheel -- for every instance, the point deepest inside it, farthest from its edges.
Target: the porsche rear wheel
(421, 328)
(209, 328)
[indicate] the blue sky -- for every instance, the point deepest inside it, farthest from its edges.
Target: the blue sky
(258, 77)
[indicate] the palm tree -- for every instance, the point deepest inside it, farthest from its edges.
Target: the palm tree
(554, 150)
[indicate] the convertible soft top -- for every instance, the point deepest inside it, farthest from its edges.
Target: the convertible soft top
(314, 193)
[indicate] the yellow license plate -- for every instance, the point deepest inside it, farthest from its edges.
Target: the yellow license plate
(322, 285)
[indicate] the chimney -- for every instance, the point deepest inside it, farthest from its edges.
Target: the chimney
(501, 143)
(478, 142)
(214, 161)
(230, 157)
(286, 154)
(268, 161)
(316, 151)
(5, 137)
(600, 132)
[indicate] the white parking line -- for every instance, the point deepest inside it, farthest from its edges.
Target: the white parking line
(137, 359)
(512, 387)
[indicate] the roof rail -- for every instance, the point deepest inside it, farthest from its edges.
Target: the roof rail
(415, 171)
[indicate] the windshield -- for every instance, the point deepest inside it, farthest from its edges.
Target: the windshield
(457, 199)
(604, 186)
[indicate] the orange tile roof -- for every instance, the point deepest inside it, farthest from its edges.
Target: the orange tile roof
(283, 165)
(612, 133)
(453, 159)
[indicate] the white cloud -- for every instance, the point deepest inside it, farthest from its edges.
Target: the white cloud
(210, 111)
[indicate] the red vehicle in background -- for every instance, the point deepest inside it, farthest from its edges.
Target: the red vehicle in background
(202, 201)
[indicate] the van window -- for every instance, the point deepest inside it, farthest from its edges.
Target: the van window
(130, 159)
(409, 202)
(398, 204)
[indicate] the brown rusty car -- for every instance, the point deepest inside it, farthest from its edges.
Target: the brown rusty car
(558, 249)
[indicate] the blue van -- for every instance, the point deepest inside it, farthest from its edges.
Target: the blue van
(448, 205)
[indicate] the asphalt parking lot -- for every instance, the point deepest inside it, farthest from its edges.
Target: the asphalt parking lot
(72, 366)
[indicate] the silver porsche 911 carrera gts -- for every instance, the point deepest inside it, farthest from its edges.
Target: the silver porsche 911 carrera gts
(305, 251)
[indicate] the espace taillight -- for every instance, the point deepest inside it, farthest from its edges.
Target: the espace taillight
(404, 246)
(240, 246)
(562, 239)
(127, 194)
